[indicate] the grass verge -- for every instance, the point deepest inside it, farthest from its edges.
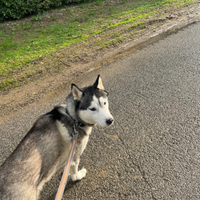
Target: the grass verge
(27, 46)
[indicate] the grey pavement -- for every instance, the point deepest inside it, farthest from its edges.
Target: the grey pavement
(153, 149)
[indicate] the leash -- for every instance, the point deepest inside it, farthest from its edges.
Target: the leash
(65, 175)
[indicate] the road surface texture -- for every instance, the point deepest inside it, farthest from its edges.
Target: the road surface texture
(153, 149)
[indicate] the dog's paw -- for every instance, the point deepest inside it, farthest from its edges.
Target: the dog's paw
(79, 175)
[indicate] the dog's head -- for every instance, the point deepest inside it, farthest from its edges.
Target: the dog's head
(91, 104)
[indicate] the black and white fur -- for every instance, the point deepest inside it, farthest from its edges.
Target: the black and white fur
(46, 146)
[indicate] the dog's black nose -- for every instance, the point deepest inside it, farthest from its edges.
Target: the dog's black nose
(109, 121)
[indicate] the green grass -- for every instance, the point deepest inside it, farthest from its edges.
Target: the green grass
(28, 40)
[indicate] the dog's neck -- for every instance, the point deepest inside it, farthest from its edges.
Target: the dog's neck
(77, 119)
(70, 110)
(79, 123)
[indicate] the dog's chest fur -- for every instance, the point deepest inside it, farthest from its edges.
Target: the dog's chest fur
(82, 141)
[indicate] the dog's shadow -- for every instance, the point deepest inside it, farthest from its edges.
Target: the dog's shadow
(70, 184)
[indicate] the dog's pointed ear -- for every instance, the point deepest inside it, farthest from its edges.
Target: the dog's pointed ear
(98, 83)
(76, 92)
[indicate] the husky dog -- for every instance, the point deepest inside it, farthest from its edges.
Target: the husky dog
(45, 148)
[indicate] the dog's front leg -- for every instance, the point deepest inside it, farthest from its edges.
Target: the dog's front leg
(75, 174)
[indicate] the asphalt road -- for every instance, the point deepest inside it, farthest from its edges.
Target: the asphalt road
(153, 149)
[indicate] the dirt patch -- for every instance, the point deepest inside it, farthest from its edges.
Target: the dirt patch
(86, 57)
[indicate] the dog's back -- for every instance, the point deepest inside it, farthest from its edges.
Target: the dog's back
(33, 162)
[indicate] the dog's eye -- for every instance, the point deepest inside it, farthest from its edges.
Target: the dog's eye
(93, 109)
(104, 103)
